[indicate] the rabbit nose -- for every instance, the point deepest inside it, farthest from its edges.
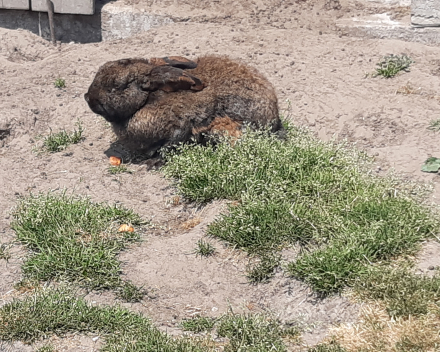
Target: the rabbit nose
(86, 97)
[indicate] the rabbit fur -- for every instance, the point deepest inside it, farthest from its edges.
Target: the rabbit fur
(164, 101)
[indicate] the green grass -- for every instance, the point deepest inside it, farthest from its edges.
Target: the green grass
(58, 312)
(434, 125)
(46, 348)
(56, 142)
(120, 169)
(198, 324)
(304, 191)
(256, 333)
(391, 65)
(327, 347)
(60, 83)
(130, 292)
(404, 293)
(204, 248)
(264, 270)
(71, 238)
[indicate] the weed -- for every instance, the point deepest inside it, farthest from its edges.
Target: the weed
(56, 142)
(431, 164)
(264, 269)
(198, 324)
(130, 293)
(119, 170)
(71, 238)
(434, 125)
(204, 248)
(4, 251)
(60, 83)
(253, 333)
(59, 312)
(302, 190)
(390, 65)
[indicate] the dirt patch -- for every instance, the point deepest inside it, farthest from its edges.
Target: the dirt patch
(317, 72)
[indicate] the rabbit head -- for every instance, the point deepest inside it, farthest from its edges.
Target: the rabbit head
(121, 88)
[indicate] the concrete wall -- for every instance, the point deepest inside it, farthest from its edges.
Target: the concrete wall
(425, 13)
(111, 21)
(81, 7)
(68, 28)
(14, 4)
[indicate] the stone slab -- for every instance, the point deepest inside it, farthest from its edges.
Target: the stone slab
(79, 7)
(381, 26)
(425, 13)
(14, 4)
(118, 21)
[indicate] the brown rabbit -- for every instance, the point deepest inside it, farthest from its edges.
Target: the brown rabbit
(164, 101)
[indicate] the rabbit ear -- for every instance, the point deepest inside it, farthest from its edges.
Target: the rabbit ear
(174, 61)
(172, 79)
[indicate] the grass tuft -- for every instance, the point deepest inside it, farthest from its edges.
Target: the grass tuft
(4, 251)
(130, 292)
(204, 248)
(60, 83)
(198, 324)
(56, 142)
(71, 238)
(264, 270)
(391, 65)
(304, 191)
(327, 347)
(251, 333)
(46, 348)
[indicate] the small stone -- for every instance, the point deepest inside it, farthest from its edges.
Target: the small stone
(431, 267)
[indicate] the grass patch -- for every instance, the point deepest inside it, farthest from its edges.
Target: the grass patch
(71, 238)
(391, 65)
(302, 190)
(401, 312)
(376, 331)
(120, 169)
(404, 293)
(59, 312)
(198, 324)
(204, 248)
(56, 142)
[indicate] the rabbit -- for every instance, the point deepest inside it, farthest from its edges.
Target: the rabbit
(163, 101)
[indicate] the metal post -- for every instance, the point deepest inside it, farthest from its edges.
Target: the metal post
(50, 10)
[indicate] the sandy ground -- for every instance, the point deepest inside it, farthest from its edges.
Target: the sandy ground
(316, 68)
